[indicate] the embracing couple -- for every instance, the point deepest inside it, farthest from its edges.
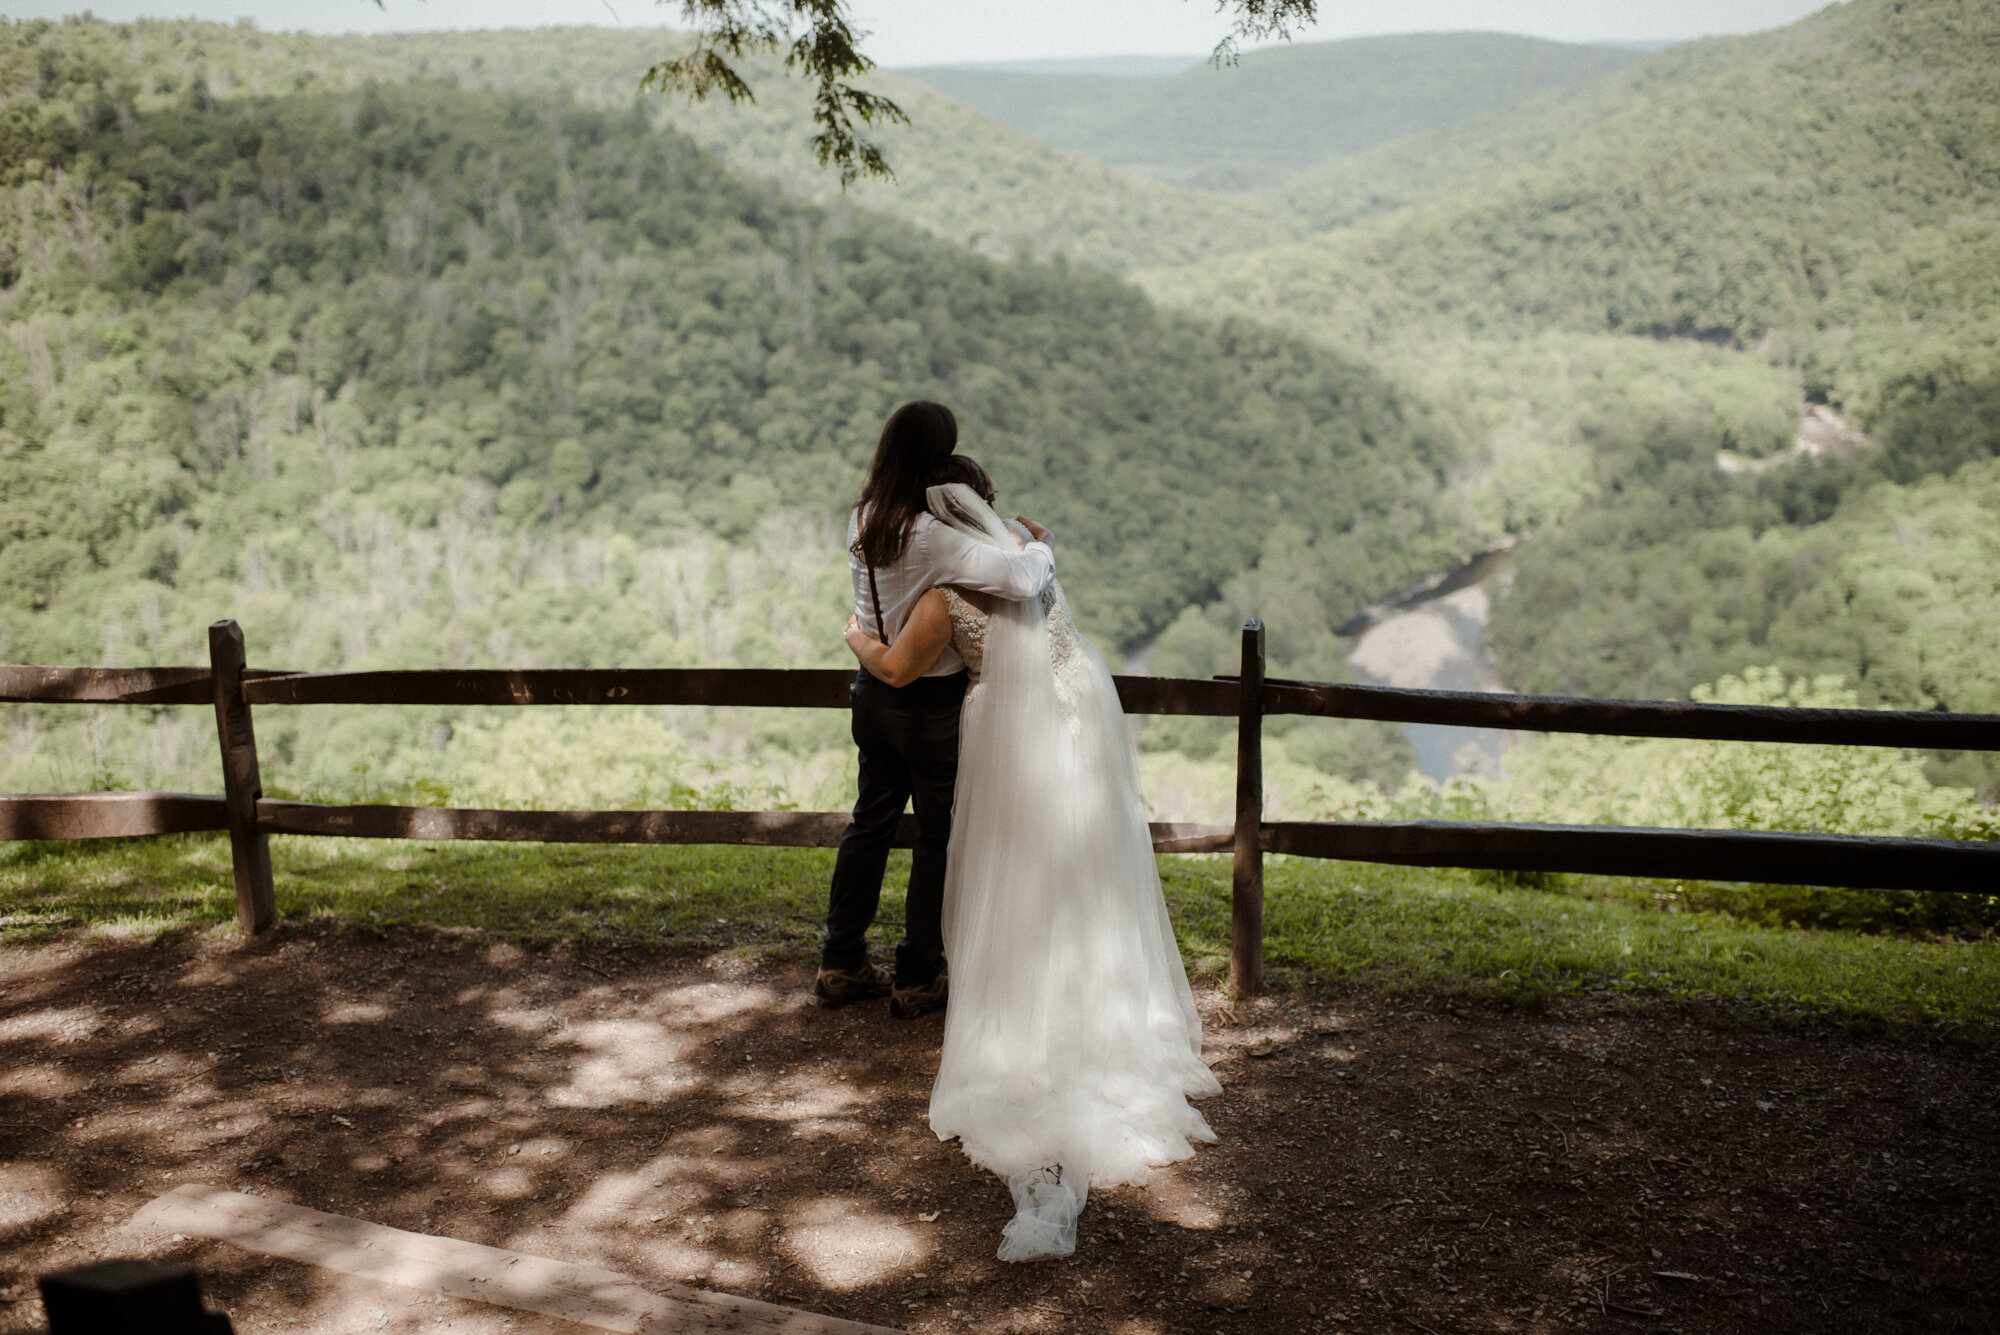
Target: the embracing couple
(1071, 1041)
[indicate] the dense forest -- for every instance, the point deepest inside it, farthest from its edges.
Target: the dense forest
(393, 372)
(443, 348)
(1805, 217)
(960, 176)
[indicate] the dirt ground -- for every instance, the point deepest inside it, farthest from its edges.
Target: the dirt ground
(1380, 1166)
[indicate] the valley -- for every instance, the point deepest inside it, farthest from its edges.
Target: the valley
(1465, 361)
(444, 348)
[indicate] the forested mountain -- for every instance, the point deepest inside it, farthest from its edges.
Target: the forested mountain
(1818, 205)
(1281, 110)
(959, 175)
(1840, 173)
(1121, 67)
(392, 371)
(1451, 159)
(444, 348)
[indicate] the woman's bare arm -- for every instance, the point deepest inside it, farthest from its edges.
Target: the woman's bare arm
(924, 637)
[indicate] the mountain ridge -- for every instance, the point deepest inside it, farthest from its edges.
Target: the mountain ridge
(1706, 205)
(1251, 126)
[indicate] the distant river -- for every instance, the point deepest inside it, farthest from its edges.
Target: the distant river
(1436, 641)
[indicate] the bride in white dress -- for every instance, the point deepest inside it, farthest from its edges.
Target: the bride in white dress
(1071, 1043)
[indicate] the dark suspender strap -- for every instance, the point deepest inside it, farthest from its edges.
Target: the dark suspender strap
(876, 594)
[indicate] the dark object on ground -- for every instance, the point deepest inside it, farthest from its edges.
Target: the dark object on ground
(129, 1298)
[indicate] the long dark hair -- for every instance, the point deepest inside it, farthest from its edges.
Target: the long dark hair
(915, 442)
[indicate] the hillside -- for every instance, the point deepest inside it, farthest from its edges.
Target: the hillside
(415, 373)
(1437, 164)
(1814, 210)
(1840, 173)
(1282, 110)
(1898, 579)
(960, 176)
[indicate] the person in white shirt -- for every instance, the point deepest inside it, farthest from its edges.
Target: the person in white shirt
(906, 729)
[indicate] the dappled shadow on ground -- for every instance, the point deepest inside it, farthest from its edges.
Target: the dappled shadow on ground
(1380, 1165)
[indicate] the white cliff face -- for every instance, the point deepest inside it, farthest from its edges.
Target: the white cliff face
(1438, 646)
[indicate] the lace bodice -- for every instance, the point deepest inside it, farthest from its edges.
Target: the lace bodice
(968, 636)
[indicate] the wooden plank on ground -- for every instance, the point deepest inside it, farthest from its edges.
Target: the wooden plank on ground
(107, 815)
(569, 1292)
(1765, 856)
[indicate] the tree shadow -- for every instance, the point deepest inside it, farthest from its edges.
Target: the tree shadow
(691, 1120)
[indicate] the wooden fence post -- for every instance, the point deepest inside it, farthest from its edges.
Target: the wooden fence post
(242, 785)
(1246, 919)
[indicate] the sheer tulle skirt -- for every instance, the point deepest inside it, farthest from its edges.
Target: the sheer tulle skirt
(1071, 1043)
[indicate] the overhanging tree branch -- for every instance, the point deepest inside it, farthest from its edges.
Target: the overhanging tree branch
(821, 45)
(1261, 19)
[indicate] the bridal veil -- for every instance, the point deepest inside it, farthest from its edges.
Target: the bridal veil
(1071, 1043)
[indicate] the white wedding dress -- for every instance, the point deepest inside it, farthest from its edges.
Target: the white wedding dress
(1071, 1042)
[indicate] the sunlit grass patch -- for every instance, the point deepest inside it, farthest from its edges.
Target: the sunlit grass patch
(1409, 929)
(1399, 929)
(772, 899)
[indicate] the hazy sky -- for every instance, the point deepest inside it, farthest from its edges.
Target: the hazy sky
(915, 32)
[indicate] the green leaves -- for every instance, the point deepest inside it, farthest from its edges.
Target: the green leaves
(818, 43)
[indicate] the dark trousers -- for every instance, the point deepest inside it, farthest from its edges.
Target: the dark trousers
(908, 738)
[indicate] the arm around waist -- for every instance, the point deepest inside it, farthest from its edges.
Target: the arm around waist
(914, 653)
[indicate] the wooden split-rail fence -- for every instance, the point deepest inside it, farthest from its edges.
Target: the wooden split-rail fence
(232, 688)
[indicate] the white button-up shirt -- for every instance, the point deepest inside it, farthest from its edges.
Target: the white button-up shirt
(939, 554)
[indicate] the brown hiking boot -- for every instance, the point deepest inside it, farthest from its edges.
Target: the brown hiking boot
(835, 988)
(908, 1001)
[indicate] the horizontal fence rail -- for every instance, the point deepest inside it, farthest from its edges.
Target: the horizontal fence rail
(108, 815)
(106, 686)
(766, 687)
(826, 688)
(1720, 855)
(800, 688)
(1688, 720)
(1777, 857)
(772, 829)
(779, 688)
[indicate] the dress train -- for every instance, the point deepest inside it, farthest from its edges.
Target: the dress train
(1071, 1043)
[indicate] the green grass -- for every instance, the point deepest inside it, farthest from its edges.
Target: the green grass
(1420, 929)
(1405, 930)
(770, 900)
(1400, 930)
